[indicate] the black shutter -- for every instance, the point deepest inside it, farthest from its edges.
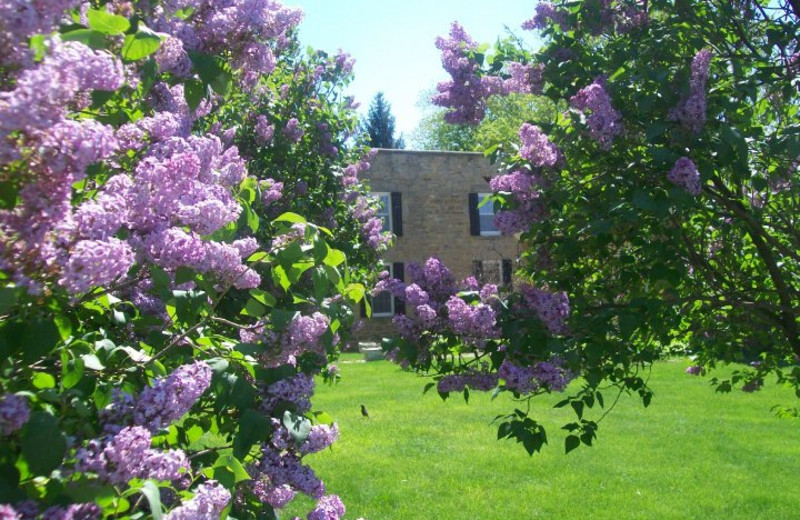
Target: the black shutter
(399, 273)
(363, 308)
(397, 213)
(507, 272)
(474, 221)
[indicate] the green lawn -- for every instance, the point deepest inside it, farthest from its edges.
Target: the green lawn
(692, 454)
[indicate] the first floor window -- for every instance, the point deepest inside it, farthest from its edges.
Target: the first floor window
(383, 302)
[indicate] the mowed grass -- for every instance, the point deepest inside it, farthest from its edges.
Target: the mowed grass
(693, 454)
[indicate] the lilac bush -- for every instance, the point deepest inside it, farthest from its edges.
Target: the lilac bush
(182, 206)
(653, 207)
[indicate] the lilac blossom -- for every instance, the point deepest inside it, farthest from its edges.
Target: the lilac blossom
(465, 93)
(481, 379)
(603, 121)
(293, 131)
(127, 455)
(172, 396)
(525, 79)
(264, 130)
(691, 111)
(14, 413)
(329, 507)
(551, 308)
(477, 321)
(536, 147)
(686, 175)
(94, 263)
(271, 191)
(550, 375)
(209, 501)
(519, 219)
(296, 390)
(546, 13)
(695, 370)
(87, 511)
(522, 185)
(320, 437)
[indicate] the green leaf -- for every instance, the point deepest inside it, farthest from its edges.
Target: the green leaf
(213, 71)
(43, 444)
(194, 91)
(234, 465)
(291, 217)
(151, 492)
(140, 45)
(335, 257)
(90, 38)
(263, 297)
(571, 442)
(92, 362)
(72, 373)
(254, 309)
(253, 427)
(39, 338)
(104, 22)
(299, 427)
(42, 380)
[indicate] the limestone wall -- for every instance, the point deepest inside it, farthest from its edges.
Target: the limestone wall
(434, 188)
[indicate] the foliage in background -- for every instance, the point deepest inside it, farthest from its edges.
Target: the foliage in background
(504, 116)
(658, 207)
(183, 237)
(379, 125)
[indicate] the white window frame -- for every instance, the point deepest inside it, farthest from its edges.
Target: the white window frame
(483, 212)
(385, 213)
(391, 311)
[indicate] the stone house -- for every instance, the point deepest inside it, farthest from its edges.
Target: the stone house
(430, 202)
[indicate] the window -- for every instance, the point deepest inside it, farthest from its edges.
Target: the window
(383, 302)
(390, 211)
(384, 305)
(486, 216)
(481, 219)
(385, 211)
(498, 272)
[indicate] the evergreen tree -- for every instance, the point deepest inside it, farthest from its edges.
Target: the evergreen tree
(379, 124)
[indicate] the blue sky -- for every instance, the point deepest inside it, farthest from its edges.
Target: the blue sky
(393, 41)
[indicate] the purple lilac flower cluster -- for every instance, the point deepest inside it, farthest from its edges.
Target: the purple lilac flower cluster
(691, 112)
(329, 507)
(525, 78)
(28, 510)
(603, 121)
(550, 375)
(536, 147)
(519, 219)
(695, 370)
(209, 501)
(171, 397)
(293, 131)
(264, 130)
(320, 437)
(243, 28)
(19, 20)
(14, 413)
(296, 390)
(546, 13)
(279, 474)
(472, 322)
(551, 308)
(127, 455)
(476, 379)
(465, 93)
(686, 175)
(160, 405)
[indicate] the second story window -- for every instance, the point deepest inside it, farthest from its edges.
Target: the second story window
(390, 211)
(481, 218)
(385, 211)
